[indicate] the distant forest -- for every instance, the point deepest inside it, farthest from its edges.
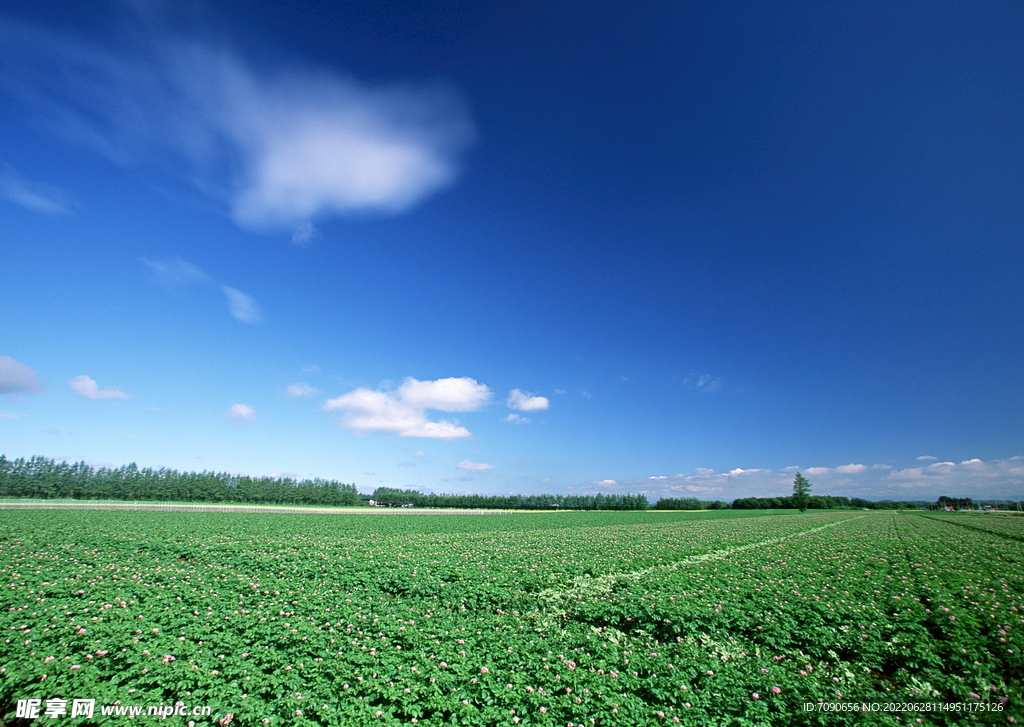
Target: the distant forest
(391, 496)
(43, 478)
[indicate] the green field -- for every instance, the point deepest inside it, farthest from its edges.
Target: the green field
(590, 618)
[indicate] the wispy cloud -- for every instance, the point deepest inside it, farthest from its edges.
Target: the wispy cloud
(241, 413)
(525, 401)
(241, 306)
(176, 274)
(301, 390)
(17, 377)
(87, 387)
(514, 418)
(404, 410)
(703, 382)
(33, 195)
(277, 143)
(304, 234)
(13, 415)
(475, 466)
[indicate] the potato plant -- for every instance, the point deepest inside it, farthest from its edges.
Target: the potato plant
(548, 619)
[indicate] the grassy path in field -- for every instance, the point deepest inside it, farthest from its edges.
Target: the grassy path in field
(558, 602)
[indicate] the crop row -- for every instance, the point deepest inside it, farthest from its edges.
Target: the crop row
(436, 628)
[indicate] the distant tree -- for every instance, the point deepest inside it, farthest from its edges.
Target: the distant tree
(801, 492)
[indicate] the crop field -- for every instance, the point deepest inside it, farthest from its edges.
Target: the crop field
(584, 619)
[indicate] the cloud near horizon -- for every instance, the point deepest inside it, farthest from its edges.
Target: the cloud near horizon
(970, 478)
(87, 387)
(403, 412)
(16, 377)
(474, 466)
(277, 143)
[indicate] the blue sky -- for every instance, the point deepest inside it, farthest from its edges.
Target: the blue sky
(679, 248)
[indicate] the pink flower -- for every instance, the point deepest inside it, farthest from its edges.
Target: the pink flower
(484, 670)
(776, 690)
(755, 695)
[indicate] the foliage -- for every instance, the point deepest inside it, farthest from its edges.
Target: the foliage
(611, 619)
(600, 501)
(42, 478)
(801, 492)
(689, 503)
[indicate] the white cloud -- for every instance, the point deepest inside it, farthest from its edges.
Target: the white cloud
(658, 477)
(451, 394)
(13, 415)
(926, 458)
(975, 478)
(279, 144)
(851, 469)
(525, 401)
(474, 466)
(174, 274)
(241, 413)
(607, 482)
(514, 418)
(703, 382)
(311, 369)
(16, 376)
(403, 411)
(87, 387)
(32, 195)
(300, 390)
(305, 233)
(241, 306)
(421, 453)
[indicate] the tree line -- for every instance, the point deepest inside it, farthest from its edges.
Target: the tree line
(600, 501)
(42, 478)
(785, 502)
